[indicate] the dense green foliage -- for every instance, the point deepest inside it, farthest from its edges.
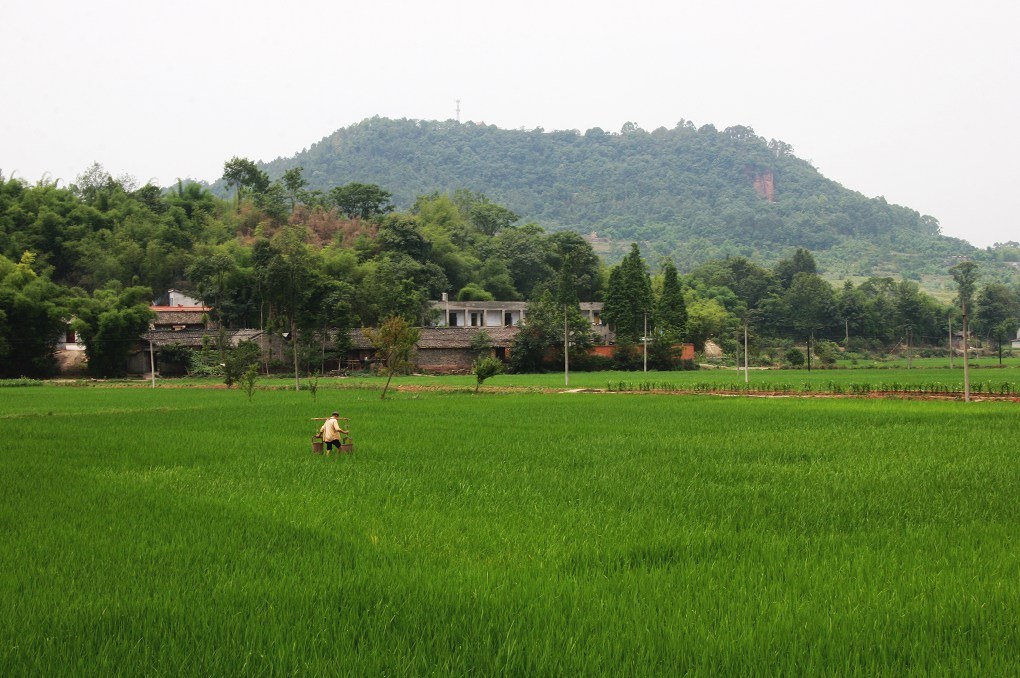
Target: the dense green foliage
(688, 193)
(308, 263)
(619, 536)
(33, 313)
(279, 257)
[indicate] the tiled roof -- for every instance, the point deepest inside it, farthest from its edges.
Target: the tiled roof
(445, 337)
(179, 315)
(481, 305)
(460, 337)
(501, 305)
(193, 338)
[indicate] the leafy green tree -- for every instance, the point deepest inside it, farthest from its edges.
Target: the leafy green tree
(33, 313)
(294, 184)
(527, 255)
(540, 338)
(490, 218)
(811, 304)
(395, 284)
(472, 292)
(706, 319)
(394, 343)
(239, 360)
(495, 277)
(273, 202)
(295, 286)
(851, 308)
(400, 233)
(246, 176)
(566, 287)
(998, 312)
(802, 261)
(443, 215)
(110, 323)
(965, 274)
(751, 283)
(364, 201)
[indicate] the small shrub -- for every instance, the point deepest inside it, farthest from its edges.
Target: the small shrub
(484, 368)
(14, 383)
(248, 380)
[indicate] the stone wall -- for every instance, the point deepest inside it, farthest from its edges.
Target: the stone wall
(445, 360)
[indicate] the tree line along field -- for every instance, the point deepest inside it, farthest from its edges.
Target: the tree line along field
(192, 531)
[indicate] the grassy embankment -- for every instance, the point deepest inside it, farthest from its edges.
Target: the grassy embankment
(188, 531)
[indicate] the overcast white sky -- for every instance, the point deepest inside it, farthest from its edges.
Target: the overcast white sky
(916, 101)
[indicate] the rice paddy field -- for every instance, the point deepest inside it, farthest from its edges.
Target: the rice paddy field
(922, 380)
(190, 531)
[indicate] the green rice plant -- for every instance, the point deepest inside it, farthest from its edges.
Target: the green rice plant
(184, 531)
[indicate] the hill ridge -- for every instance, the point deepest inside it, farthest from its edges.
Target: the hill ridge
(692, 193)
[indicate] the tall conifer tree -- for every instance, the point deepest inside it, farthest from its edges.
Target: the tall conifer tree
(670, 310)
(629, 296)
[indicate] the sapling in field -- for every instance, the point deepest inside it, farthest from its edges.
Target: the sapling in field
(248, 380)
(484, 368)
(394, 342)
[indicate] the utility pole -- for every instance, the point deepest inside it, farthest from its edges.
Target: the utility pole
(747, 378)
(966, 352)
(458, 110)
(566, 349)
(152, 364)
(645, 339)
(810, 337)
(965, 274)
(950, 342)
(910, 362)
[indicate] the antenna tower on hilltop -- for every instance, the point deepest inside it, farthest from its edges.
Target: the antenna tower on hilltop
(458, 110)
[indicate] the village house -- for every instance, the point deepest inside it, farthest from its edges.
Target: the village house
(440, 350)
(181, 320)
(446, 346)
(488, 314)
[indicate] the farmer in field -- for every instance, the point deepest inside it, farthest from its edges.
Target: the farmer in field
(330, 433)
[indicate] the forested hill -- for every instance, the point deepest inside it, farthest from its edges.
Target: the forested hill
(691, 193)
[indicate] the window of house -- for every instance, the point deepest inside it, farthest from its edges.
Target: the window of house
(508, 319)
(453, 320)
(476, 319)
